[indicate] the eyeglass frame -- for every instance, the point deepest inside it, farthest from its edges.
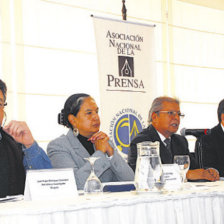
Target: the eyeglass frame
(2, 105)
(171, 113)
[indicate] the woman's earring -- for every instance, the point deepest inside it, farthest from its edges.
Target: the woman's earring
(76, 131)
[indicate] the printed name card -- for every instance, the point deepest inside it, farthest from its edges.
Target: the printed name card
(172, 177)
(50, 184)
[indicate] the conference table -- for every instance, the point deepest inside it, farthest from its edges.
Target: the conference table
(194, 203)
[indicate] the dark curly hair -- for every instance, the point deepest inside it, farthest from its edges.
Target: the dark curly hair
(72, 106)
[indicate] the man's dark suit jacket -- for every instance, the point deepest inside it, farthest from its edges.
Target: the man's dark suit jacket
(213, 149)
(179, 146)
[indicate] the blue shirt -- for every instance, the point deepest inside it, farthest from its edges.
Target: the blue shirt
(35, 158)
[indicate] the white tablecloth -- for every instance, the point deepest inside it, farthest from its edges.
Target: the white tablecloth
(197, 203)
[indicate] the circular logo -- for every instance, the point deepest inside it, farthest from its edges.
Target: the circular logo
(125, 129)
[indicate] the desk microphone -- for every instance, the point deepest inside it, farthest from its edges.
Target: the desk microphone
(195, 132)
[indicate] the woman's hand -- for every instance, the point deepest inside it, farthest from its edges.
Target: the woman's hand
(100, 140)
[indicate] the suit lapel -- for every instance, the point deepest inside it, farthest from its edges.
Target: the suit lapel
(220, 136)
(76, 145)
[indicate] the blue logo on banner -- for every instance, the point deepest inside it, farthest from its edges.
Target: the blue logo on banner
(126, 128)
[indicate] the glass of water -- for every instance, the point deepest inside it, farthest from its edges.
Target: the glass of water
(183, 162)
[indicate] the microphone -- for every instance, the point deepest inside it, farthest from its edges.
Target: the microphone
(195, 132)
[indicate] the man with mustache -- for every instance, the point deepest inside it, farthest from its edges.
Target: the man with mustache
(164, 119)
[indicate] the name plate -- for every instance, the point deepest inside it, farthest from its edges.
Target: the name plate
(172, 177)
(50, 184)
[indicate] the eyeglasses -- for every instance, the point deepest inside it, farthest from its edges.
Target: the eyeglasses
(171, 113)
(2, 105)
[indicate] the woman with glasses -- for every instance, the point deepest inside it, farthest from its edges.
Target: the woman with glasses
(18, 152)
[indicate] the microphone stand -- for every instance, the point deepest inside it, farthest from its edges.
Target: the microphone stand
(199, 151)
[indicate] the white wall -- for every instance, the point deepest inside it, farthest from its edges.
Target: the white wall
(48, 53)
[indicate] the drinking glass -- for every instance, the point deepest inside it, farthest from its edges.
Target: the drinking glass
(183, 162)
(93, 184)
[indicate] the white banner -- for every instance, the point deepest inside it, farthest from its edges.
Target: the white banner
(126, 61)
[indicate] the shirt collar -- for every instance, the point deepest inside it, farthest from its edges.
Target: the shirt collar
(161, 137)
(222, 127)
